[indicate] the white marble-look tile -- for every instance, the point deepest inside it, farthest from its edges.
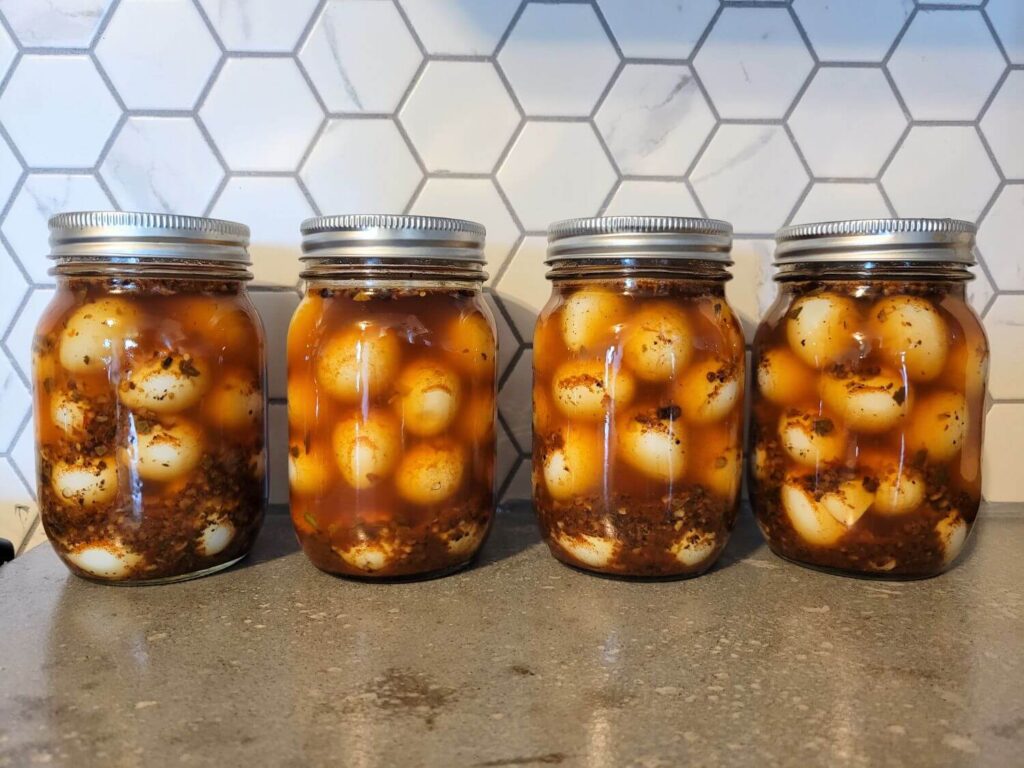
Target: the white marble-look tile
(261, 114)
(476, 200)
(17, 511)
(657, 29)
(751, 291)
(361, 166)
(940, 171)
(555, 171)
(277, 452)
(1002, 479)
(515, 398)
(750, 175)
(24, 455)
(10, 171)
(161, 164)
(41, 196)
(16, 403)
(460, 27)
(946, 65)
(1000, 241)
(58, 111)
(19, 341)
(1004, 324)
(837, 200)
(8, 50)
(276, 309)
(157, 53)
(523, 288)
(453, 133)
(655, 119)
(1002, 125)
(273, 207)
(642, 197)
(37, 537)
(54, 23)
(1007, 16)
(521, 488)
(12, 287)
(753, 62)
(259, 25)
(852, 30)
(558, 59)
(508, 345)
(360, 56)
(507, 455)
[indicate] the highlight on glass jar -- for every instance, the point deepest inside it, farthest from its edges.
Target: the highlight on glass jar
(391, 396)
(869, 387)
(149, 397)
(638, 396)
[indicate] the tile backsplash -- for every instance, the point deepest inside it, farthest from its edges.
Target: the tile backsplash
(512, 113)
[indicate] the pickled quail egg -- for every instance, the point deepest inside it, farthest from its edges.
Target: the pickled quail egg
(595, 551)
(235, 401)
(85, 483)
(360, 363)
(168, 383)
(429, 397)
(369, 556)
(848, 503)
(694, 548)
(719, 315)
(590, 318)
(653, 441)
(811, 440)
(367, 448)
(220, 321)
(588, 389)
(303, 406)
(709, 390)
(658, 343)
(429, 474)
(867, 402)
(899, 491)
(967, 368)
(105, 560)
(471, 339)
(952, 531)
(464, 539)
(68, 413)
(716, 462)
(912, 334)
(783, 378)
(95, 332)
(809, 518)
(165, 453)
(574, 465)
(309, 472)
(215, 538)
(820, 329)
(938, 425)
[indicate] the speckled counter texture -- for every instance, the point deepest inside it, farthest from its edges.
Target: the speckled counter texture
(519, 662)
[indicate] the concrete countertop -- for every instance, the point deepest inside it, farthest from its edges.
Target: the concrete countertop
(519, 661)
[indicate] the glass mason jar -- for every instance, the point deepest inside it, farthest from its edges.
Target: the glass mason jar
(391, 396)
(638, 396)
(149, 397)
(870, 372)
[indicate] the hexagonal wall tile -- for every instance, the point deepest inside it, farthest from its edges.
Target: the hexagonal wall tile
(980, 290)
(64, 124)
(273, 207)
(10, 171)
(14, 395)
(379, 173)
(23, 456)
(523, 288)
(558, 59)
(657, 29)
(360, 56)
(276, 309)
(999, 238)
(1002, 479)
(460, 27)
(508, 344)
(946, 65)
(161, 164)
(41, 196)
(12, 287)
(507, 455)
(157, 55)
(1002, 124)
(261, 114)
(641, 197)
(654, 119)
(20, 335)
(453, 133)
(838, 141)
(55, 23)
(277, 452)
(1007, 16)
(258, 25)
(1006, 339)
(833, 201)
(940, 171)
(852, 30)
(753, 62)
(555, 171)
(8, 50)
(477, 200)
(750, 175)
(515, 397)
(751, 291)
(519, 487)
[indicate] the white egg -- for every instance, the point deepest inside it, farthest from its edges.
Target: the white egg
(105, 560)
(166, 383)
(899, 491)
(657, 343)
(235, 401)
(168, 452)
(215, 538)
(811, 440)
(867, 402)
(808, 517)
(588, 389)
(783, 378)
(695, 548)
(464, 539)
(653, 441)
(370, 556)
(592, 551)
(429, 474)
(938, 425)
(709, 390)
(429, 398)
(367, 448)
(85, 483)
(760, 462)
(68, 413)
(360, 363)
(848, 502)
(912, 334)
(574, 465)
(952, 531)
(471, 339)
(820, 328)
(719, 468)
(590, 318)
(95, 333)
(309, 472)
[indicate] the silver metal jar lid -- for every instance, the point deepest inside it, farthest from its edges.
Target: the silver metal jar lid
(147, 236)
(385, 236)
(949, 241)
(640, 237)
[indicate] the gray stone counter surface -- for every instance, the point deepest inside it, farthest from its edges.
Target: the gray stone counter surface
(519, 661)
